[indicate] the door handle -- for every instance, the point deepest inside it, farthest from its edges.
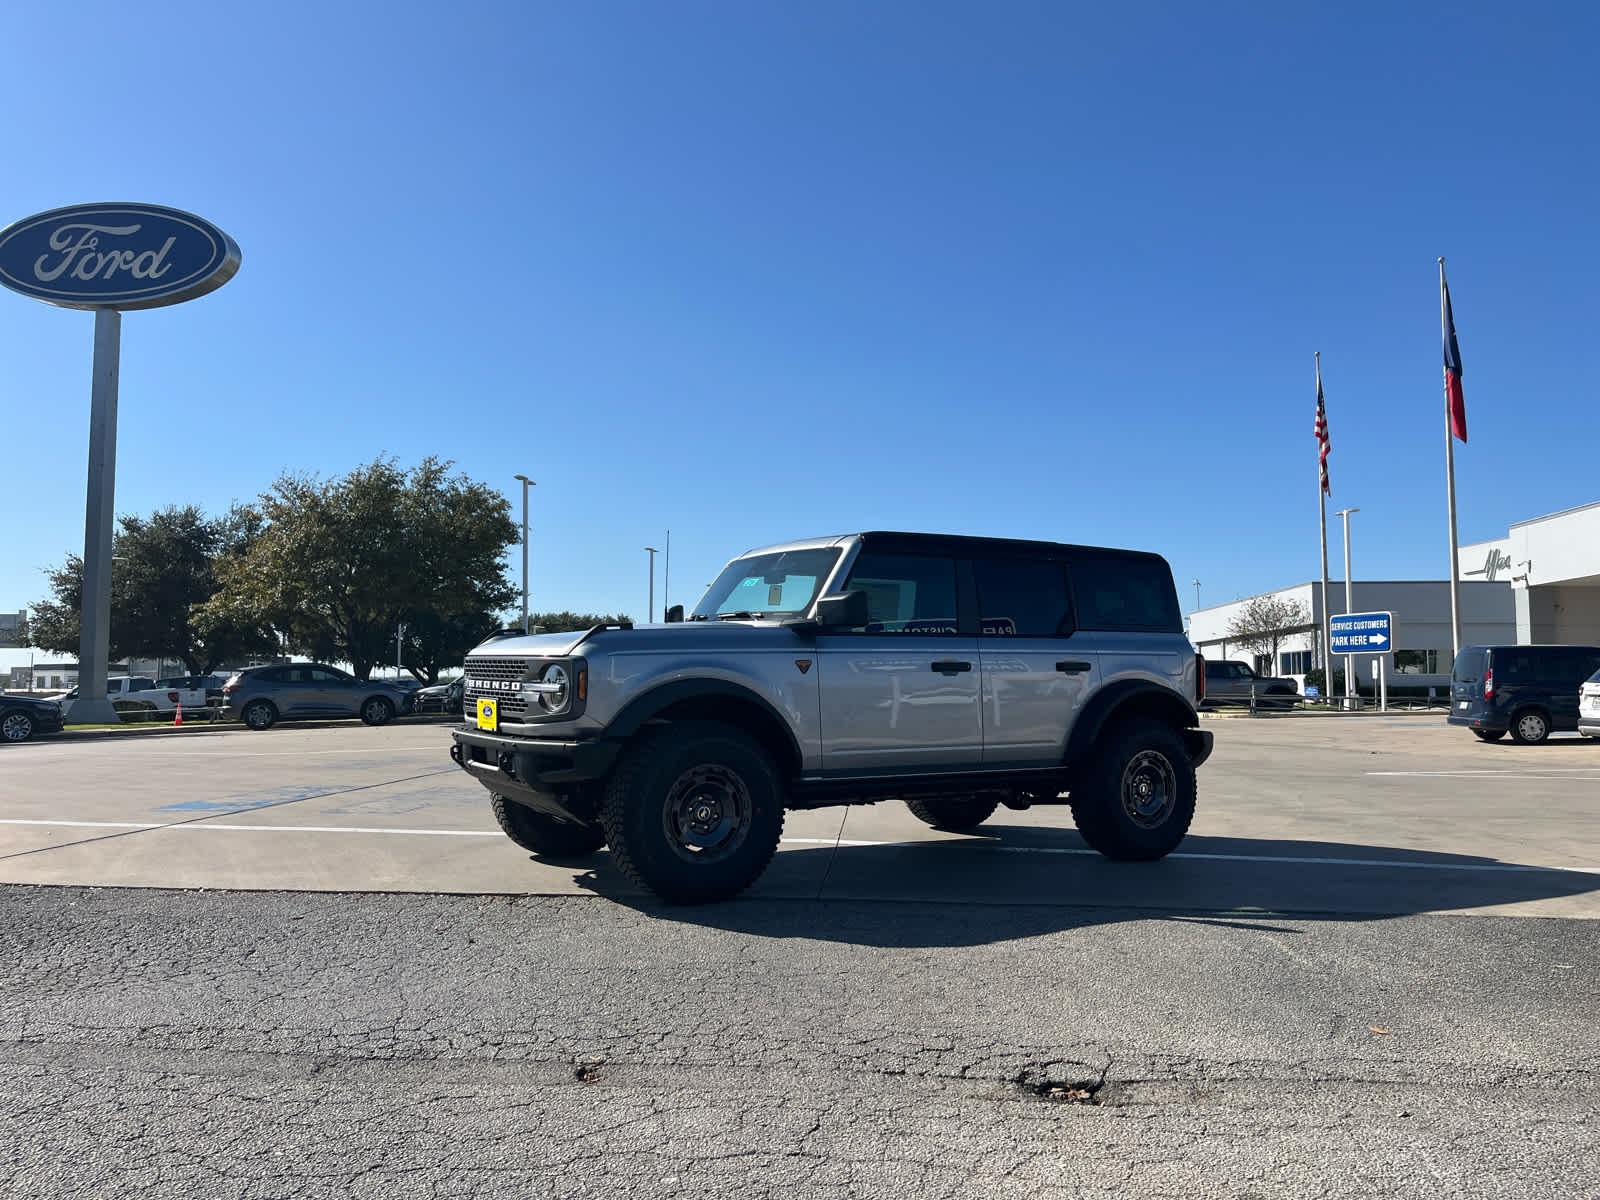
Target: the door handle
(1074, 666)
(946, 666)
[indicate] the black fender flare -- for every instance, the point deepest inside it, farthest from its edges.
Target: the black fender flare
(1129, 697)
(710, 699)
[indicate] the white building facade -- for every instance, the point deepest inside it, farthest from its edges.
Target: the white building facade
(1538, 584)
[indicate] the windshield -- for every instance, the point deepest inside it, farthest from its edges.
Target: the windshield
(780, 583)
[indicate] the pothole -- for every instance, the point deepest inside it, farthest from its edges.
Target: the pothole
(1061, 1083)
(589, 1070)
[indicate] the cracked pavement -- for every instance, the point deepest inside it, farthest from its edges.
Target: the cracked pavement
(253, 1045)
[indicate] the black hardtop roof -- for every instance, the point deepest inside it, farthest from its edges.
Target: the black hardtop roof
(961, 543)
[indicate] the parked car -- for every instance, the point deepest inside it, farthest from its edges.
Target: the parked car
(23, 718)
(1529, 692)
(1229, 682)
(1589, 706)
(263, 696)
(442, 697)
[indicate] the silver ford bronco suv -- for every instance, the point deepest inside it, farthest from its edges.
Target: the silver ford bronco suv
(955, 673)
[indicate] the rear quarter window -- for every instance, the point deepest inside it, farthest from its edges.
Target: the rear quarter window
(1125, 593)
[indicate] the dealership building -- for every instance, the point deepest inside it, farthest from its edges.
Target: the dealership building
(1539, 583)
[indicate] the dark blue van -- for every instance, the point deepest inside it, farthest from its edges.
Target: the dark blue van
(1529, 692)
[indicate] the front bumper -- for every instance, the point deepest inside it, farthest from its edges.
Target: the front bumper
(533, 763)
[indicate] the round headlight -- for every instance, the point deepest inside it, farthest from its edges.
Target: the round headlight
(559, 689)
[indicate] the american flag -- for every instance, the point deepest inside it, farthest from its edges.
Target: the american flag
(1323, 445)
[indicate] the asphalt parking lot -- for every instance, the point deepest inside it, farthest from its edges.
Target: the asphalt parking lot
(1345, 815)
(306, 964)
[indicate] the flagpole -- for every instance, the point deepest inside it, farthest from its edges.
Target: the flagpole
(1450, 487)
(1322, 521)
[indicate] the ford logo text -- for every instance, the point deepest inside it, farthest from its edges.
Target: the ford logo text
(121, 256)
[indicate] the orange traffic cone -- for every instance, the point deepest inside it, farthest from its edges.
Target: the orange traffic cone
(178, 719)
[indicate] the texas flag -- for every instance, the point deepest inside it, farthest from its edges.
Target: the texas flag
(1454, 401)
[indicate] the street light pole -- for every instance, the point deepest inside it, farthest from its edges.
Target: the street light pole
(526, 484)
(1197, 595)
(651, 618)
(1349, 603)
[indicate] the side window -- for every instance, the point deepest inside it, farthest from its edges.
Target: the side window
(1125, 593)
(1023, 598)
(906, 593)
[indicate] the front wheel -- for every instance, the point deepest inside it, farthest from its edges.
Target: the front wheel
(544, 835)
(377, 710)
(693, 812)
(1530, 727)
(16, 727)
(954, 814)
(1136, 796)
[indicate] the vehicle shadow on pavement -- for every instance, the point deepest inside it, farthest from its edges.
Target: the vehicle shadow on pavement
(1004, 882)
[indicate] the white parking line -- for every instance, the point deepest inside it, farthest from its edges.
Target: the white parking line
(204, 826)
(1543, 773)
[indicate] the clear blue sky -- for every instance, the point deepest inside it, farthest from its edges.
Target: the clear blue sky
(753, 271)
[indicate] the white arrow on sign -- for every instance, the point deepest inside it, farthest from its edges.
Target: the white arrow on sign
(1377, 639)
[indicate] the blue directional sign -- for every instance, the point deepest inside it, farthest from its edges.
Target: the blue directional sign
(1361, 633)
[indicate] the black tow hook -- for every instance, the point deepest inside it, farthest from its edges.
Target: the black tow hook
(507, 762)
(456, 756)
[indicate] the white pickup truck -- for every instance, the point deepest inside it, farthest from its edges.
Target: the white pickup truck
(132, 694)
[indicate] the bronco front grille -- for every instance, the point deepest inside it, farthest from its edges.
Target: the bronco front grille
(513, 705)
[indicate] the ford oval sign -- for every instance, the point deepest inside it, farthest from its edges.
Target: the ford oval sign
(118, 256)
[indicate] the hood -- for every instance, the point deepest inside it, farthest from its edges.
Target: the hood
(532, 645)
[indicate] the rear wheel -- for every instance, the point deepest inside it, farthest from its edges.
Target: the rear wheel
(545, 835)
(1489, 735)
(1530, 727)
(693, 812)
(1136, 796)
(258, 714)
(956, 814)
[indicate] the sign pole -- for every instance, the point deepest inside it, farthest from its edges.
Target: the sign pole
(94, 632)
(109, 258)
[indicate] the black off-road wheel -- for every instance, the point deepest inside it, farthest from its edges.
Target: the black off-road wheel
(544, 835)
(1136, 796)
(693, 812)
(954, 814)
(1489, 735)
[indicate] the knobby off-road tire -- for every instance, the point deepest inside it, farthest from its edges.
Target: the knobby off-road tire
(1135, 799)
(954, 814)
(544, 835)
(693, 812)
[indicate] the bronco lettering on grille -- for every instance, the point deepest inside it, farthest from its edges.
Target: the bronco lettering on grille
(494, 685)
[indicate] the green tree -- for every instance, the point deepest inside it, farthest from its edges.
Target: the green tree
(163, 572)
(338, 566)
(566, 622)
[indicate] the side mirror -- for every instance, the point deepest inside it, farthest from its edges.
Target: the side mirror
(674, 614)
(845, 611)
